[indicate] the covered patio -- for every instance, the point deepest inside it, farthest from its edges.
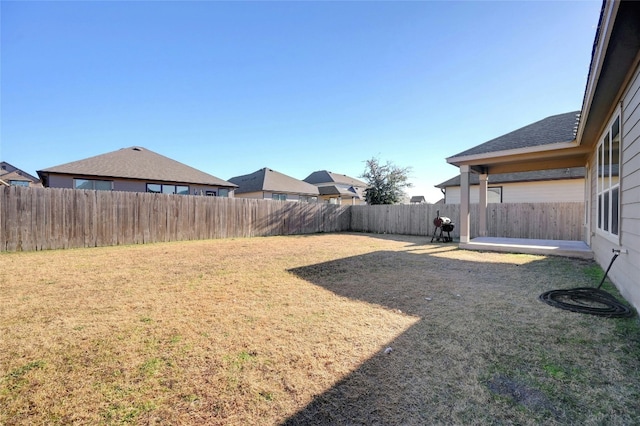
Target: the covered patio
(544, 145)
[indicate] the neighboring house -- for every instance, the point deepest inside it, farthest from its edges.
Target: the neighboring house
(606, 141)
(417, 199)
(268, 184)
(135, 169)
(338, 189)
(541, 186)
(13, 176)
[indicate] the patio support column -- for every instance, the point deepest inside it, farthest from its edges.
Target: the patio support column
(464, 204)
(482, 207)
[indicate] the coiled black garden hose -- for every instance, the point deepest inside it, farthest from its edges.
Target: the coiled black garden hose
(588, 300)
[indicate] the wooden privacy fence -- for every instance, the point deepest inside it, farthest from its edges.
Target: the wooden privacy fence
(50, 218)
(549, 221)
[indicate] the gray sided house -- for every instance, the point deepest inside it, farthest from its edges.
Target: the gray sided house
(606, 141)
(338, 189)
(267, 184)
(13, 176)
(135, 169)
(540, 186)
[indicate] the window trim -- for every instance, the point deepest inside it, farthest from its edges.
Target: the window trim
(162, 188)
(278, 196)
(607, 189)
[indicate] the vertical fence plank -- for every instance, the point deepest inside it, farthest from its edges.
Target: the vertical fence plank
(45, 218)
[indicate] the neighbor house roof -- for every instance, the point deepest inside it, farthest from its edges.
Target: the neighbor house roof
(8, 171)
(554, 129)
(136, 163)
(417, 199)
(269, 180)
(539, 175)
(324, 176)
(338, 190)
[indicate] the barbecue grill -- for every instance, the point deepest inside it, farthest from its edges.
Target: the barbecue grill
(442, 224)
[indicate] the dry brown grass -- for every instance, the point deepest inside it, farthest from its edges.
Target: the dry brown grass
(293, 330)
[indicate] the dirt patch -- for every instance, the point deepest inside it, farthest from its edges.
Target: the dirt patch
(520, 393)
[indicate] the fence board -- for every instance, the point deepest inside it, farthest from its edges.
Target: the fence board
(45, 218)
(49, 218)
(557, 221)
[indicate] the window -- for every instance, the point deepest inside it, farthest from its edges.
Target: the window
(494, 194)
(210, 193)
(19, 182)
(279, 197)
(97, 185)
(608, 180)
(223, 192)
(308, 199)
(157, 188)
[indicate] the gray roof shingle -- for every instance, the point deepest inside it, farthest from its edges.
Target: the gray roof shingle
(324, 176)
(339, 190)
(137, 163)
(554, 129)
(269, 180)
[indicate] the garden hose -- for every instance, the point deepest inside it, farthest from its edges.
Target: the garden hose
(588, 300)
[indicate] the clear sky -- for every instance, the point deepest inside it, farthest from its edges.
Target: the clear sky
(231, 87)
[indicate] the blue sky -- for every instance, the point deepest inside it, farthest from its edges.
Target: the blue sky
(231, 87)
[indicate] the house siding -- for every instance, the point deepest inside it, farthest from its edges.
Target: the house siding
(128, 185)
(569, 190)
(264, 195)
(625, 271)
(58, 181)
(252, 195)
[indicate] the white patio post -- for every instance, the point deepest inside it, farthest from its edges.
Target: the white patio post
(464, 204)
(482, 207)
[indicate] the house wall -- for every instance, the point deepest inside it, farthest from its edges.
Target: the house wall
(568, 190)
(127, 185)
(265, 195)
(57, 181)
(626, 269)
(335, 199)
(252, 195)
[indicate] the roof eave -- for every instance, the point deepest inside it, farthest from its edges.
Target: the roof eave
(615, 55)
(556, 155)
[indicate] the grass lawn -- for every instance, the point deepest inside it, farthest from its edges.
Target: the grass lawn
(321, 329)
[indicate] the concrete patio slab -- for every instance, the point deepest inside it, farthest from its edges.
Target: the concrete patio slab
(578, 249)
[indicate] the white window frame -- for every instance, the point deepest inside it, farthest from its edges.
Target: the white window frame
(608, 181)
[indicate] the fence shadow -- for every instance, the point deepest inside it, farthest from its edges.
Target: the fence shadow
(466, 310)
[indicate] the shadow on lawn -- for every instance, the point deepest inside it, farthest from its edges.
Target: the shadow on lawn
(434, 372)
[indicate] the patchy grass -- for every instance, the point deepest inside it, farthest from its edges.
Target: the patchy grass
(294, 330)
